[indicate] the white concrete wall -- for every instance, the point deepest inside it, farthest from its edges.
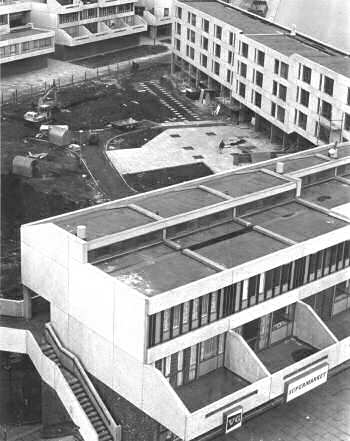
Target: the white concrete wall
(309, 328)
(242, 360)
(11, 308)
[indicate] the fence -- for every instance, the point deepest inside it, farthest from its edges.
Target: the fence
(19, 95)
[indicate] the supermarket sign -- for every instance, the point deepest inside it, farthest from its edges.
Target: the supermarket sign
(306, 381)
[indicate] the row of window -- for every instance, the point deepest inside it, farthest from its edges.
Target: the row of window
(211, 307)
(185, 366)
(95, 12)
(14, 49)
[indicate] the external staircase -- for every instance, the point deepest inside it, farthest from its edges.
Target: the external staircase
(81, 386)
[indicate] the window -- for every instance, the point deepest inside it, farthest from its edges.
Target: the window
(259, 78)
(228, 75)
(328, 86)
(230, 57)
(204, 60)
(243, 70)
(284, 70)
(166, 12)
(230, 39)
(302, 120)
(25, 46)
(282, 93)
(216, 68)
(304, 97)
(205, 25)
(276, 67)
(205, 43)
(348, 99)
(191, 18)
(3, 19)
(244, 50)
(217, 51)
(326, 110)
(218, 32)
(347, 122)
(258, 99)
(177, 44)
(178, 28)
(192, 36)
(280, 316)
(242, 90)
(274, 88)
(192, 53)
(260, 58)
(88, 13)
(179, 12)
(273, 109)
(306, 74)
(281, 113)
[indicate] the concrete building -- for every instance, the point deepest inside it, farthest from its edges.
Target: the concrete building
(293, 87)
(88, 27)
(158, 15)
(22, 46)
(186, 309)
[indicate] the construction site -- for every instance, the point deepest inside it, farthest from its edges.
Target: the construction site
(107, 138)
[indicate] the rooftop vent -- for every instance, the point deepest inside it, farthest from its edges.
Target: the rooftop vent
(293, 31)
(280, 167)
(81, 231)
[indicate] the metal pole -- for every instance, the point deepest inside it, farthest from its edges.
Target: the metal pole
(72, 79)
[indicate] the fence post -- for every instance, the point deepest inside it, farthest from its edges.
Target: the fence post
(16, 95)
(85, 76)
(45, 86)
(59, 83)
(109, 69)
(97, 72)
(72, 78)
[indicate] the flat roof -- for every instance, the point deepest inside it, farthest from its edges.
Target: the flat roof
(274, 36)
(155, 269)
(105, 221)
(249, 24)
(178, 201)
(22, 33)
(248, 245)
(296, 164)
(239, 184)
(296, 221)
(329, 194)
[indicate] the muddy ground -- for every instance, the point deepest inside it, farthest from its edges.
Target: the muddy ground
(90, 105)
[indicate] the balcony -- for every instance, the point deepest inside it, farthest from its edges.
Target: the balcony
(95, 31)
(156, 20)
(210, 388)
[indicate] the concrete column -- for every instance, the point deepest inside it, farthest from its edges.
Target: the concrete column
(27, 309)
(197, 78)
(284, 141)
(172, 65)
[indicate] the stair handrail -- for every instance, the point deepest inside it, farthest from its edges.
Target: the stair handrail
(113, 427)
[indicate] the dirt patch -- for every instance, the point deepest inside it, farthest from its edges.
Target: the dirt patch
(134, 140)
(120, 56)
(153, 179)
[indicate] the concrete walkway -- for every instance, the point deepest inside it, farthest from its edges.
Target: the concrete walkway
(30, 432)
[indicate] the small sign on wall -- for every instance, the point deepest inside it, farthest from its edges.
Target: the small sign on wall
(306, 381)
(233, 419)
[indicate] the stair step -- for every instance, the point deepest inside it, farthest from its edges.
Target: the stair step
(106, 437)
(91, 413)
(83, 399)
(77, 387)
(88, 407)
(73, 381)
(99, 424)
(95, 418)
(101, 430)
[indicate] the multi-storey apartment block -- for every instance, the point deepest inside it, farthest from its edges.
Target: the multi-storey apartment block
(191, 306)
(21, 45)
(83, 28)
(296, 88)
(158, 15)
